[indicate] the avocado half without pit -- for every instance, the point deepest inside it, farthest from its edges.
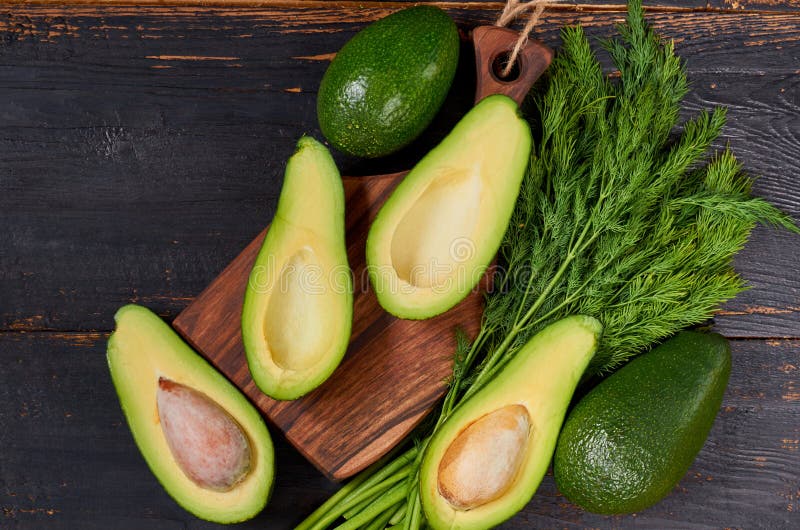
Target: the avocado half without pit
(438, 232)
(298, 305)
(204, 442)
(486, 461)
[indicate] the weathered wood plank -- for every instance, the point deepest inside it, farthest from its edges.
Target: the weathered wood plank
(142, 148)
(583, 5)
(29, 21)
(69, 460)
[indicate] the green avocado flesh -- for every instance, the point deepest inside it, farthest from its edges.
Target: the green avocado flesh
(298, 305)
(205, 443)
(386, 84)
(629, 441)
(486, 461)
(438, 232)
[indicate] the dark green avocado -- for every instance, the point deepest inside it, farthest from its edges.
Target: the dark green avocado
(633, 437)
(387, 83)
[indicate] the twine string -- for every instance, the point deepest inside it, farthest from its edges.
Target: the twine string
(513, 10)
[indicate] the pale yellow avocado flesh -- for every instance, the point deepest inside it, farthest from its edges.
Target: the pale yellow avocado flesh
(451, 205)
(298, 304)
(142, 351)
(436, 235)
(294, 314)
(486, 461)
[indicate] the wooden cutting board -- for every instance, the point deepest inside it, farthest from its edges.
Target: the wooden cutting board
(394, 370)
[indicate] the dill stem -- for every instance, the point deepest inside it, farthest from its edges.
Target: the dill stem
(412, 518)
(391, 467)
(398, 515)
(361, 506)
(312, 520)
(374, 480)
(356, 499)
(519, 325)
(392, 497)
(455, 388)
(570, 298)
(498, 356)
(385, 519)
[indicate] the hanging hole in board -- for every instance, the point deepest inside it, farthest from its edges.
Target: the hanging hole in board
(499, 64)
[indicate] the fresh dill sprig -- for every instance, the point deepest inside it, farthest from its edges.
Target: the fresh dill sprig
(617, 218)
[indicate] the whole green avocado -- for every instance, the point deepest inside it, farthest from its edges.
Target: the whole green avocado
(631, 439)
(386, 84)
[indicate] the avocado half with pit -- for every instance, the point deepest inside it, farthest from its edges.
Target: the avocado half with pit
(298, 305)
(438, 232)
(204, 442)
(487, 459)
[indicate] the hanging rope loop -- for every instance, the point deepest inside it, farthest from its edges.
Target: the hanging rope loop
(513, 10)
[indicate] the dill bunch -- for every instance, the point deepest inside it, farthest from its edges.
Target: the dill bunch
(619, 217)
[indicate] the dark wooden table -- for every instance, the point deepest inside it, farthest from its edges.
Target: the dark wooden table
(141, 147)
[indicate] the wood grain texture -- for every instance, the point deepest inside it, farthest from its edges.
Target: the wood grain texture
(735, 6)
(142, 149)
(392, 375)
(70, 462)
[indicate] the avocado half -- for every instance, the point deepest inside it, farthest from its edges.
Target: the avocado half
(298, 305)
(177, 405)
(438, 232)
(487, 459)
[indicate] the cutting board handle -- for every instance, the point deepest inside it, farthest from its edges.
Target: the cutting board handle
(492, 45)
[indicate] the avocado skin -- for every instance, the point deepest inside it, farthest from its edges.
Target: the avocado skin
(386, 84)
(633, 437)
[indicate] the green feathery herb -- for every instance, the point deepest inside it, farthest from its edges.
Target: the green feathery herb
(619, 218)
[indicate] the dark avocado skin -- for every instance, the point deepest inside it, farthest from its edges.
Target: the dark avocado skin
(629, 441)
(386, 84)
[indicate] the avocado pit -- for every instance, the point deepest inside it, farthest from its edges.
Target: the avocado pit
(208, 445)
(483, 461)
